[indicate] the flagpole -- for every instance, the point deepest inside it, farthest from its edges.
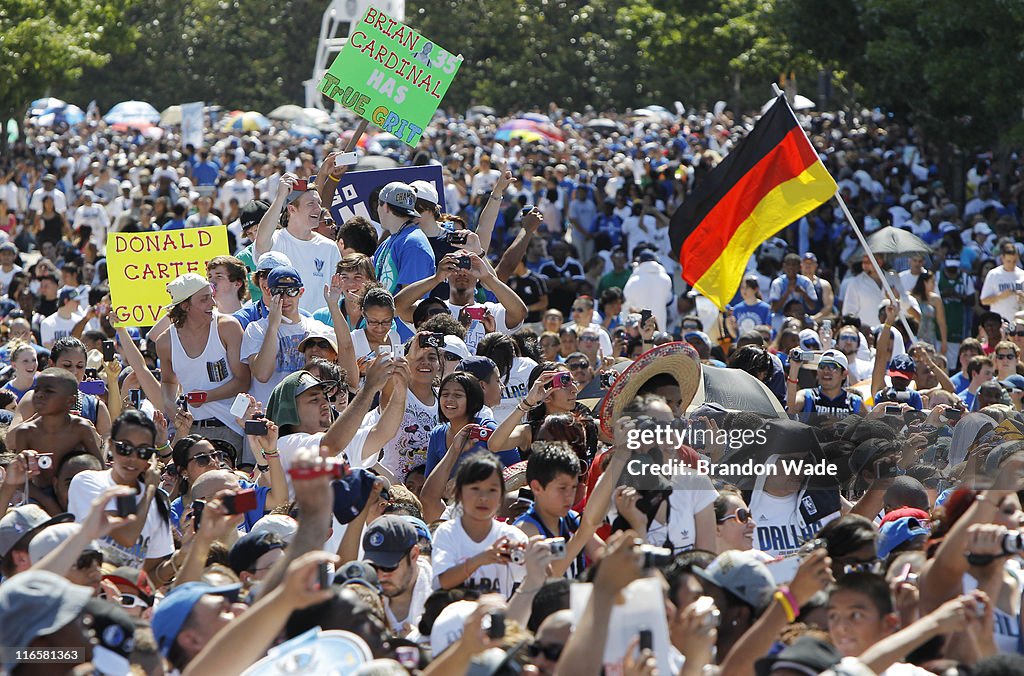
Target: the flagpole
(864, 243)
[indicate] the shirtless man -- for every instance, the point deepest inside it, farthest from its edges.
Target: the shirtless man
(53, 429)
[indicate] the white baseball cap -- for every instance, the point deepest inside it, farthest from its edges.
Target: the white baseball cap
(186, 286)
(425, 190)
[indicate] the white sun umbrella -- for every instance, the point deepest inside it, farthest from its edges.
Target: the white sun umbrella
(171, 116)
(316, 116)
(40, 106)
(287, 113)
(132, 111)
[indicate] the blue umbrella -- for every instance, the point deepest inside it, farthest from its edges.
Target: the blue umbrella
(39, 106)
(67, 113)
(127, 112)
(304, 131)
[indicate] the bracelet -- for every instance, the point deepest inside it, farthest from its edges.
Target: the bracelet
(159, 451)
(784, 602)
(263, 468)
(271, 454)
(791, 598)
(495, 197)
(335, 180)
(792, 380)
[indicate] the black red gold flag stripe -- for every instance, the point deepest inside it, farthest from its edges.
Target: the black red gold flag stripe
(772, 178)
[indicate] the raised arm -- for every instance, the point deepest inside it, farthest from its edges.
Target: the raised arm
(327, 178)
(147, 381)
(262, 365)
(883, 350)
(386, 427)
(515, 253)
(268, 224)
(342, 430)
(405, 300)
(489, 215)
(515, 309)
(346, 350)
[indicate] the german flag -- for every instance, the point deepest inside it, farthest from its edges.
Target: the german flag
(771, 179)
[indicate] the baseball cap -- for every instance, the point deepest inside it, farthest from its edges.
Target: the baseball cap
(271, 260)
(43, 602)
(456, 346)
(134, 579)
(250, 547)
(697, 335)
(351, 494)
(49, 178)
(902, 366)
(173, 611)
(834, 357)
(186, 286)
(115, 634)
(65, 294)
(809, 339)
(867, 451)
(47, 539)
(21, 523)
(982, 229)
(388, 540)
(357, 572)
(449, 625)
(9, 246)
(126, 185)
(281, 407)
(806, 655)
(904, 512)
(251, 215)
(1013, 382)
(897, 532)
(743, 574)
(481, 367)
(280, 525)
(810, 256)
(425, 190)
(399, 196)
(646, 256)
(284, 277)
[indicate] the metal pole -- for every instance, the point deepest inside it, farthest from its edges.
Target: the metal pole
(874, 264)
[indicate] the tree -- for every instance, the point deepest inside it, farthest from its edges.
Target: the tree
(44, 45)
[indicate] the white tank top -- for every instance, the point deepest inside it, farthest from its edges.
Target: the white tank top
(203, 374)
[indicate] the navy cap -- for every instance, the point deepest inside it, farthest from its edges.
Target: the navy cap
(351, 494)
(250, 547)
(284, 276)
(481, 367)
(388, 540)
(357, 572)
(1013, 382)
(65, 294)
(902, 366)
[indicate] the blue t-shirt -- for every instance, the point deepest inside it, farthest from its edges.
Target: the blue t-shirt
(251, 517)
(174, 224)
(438, 446)
(748, 316)
(206, 173)
(255, 311)
(960, 381)
(404, 258)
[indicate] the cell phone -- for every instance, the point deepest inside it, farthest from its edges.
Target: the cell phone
(124, 505)
(561, 380)
(408, 656)
(455, 237)
(655, 557)
(645, 314)
(527, 209)
(811, 546)
(497, 628)
(432, 340)
(334, 468)
(464, 263)
(97, 388)
(109, 350)
(183, 403)
(323, 575)
(240, 405)
(705, 605)
(256, 428)
(196, 397)
(301, 185)
(135, 398)
(240, 502)
(893, 410)
(953, 414)
(476, 311)
(885, 469)
(385, 351)
(197, 513)
(346, 159)
(646, 640)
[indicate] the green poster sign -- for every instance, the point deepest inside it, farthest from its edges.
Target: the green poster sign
(390, 75)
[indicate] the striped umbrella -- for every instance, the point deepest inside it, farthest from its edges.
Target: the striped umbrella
(247, 121)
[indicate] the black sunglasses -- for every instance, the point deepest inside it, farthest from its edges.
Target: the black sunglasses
(87, 559)
(550, 652)
(204, 459)
(290, 291)
(449, 356)
(125, 449)
(319, 342)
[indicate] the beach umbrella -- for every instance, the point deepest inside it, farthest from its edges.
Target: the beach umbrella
(171, 116)
(547, 129)
(247, 121)
(66, 112)
(603, 125)
(40, 106)
(286, 113)
(132, 111)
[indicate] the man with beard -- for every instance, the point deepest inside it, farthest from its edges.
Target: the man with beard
(390, 546)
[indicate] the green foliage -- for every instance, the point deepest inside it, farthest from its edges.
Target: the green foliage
(46, 44)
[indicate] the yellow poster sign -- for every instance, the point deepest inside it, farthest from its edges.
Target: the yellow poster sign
(140, 265)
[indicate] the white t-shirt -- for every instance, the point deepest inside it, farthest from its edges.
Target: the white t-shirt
(54, 327)
(779, 532)
(692, 493)
(314, 259)
(6, 277)
(485, 181)
(476, 329)
(240, 191)
(998, 280)
(289, 359)
(155, 540)
(409, 447)
(516, 389)
(453, 546)
(290, 445)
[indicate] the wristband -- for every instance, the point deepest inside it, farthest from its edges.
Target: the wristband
(160, 451)
(332, 179)
(791, 380)
(786, 607)
(263, 468)
(271, 454)
(495, 197)
(791, 598)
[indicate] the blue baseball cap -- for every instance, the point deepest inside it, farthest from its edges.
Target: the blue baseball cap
(171, 613)
(1013, 382)
(902, 366)
(284, 276)
(898, 532)
(351, 494)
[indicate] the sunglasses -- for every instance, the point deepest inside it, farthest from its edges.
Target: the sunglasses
(829, 366)
(551, 652)
(132, 601)
(579, 366)
(204, 459)
(1006, 356)
(589, 339)
(171, 470)
(319, 342)
(126, 450)
(874, 566)
(87, 559)
(741, 515)
(291, 291)
(448, 356)
(385, 569)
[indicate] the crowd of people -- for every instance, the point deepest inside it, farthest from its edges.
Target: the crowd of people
(471, 440)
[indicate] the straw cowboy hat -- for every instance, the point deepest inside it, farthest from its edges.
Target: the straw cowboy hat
(678, 360)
